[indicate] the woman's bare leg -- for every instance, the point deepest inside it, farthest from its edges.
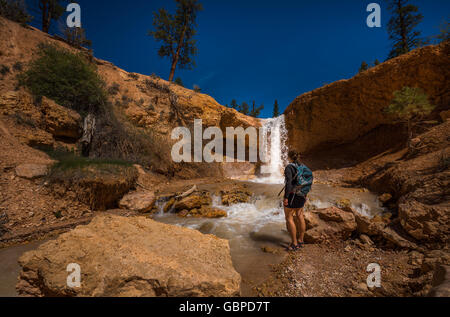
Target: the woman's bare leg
(290, 223)
(301, 225)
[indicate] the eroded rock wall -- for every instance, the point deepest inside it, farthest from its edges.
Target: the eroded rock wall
(343, 111)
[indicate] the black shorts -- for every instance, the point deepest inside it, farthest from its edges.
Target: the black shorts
(296, 201)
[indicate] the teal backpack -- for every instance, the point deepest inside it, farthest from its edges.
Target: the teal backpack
(304, 180)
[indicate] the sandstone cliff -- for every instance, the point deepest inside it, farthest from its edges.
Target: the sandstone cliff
(346, 110)
(148, 104)
(139, 258)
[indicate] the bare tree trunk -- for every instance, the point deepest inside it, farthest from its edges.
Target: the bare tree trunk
(403, 31)
(88, 134)
(45, 17)
(410, 133)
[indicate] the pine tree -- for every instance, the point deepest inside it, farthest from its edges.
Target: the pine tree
(244, 108)
(444, 34)
(256, 111)
(410, 105)
(276, 111)
(179, 82)
(234, 104)
(401, 27)
(376, 63)
(364, 66)
(177, 32)
(51, 10)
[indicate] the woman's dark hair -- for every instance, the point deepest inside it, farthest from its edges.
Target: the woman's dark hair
(294, 156)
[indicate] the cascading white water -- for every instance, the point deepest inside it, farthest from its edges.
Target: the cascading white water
(274, 149)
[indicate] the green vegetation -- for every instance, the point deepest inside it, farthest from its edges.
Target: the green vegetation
(364, 66)
(18, 66)
(15, 10)
(67, 78)
(244, 108)
(276, 110)
(179, 82)
(177, 32)
(402, 27)
(70, 160)
(50, 10)
(410, 106)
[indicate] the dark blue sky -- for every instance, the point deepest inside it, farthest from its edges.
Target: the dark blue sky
(252, 49)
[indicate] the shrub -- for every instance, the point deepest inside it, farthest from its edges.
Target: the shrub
(410, 105)
(179, 82)
(133, 76)
(197, 88)
(67, 78)
(114, 89)
(18, 67)
(15, 10)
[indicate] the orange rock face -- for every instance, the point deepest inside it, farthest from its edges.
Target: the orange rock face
(342, 112)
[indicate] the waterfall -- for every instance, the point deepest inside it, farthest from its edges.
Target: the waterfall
(273, 136)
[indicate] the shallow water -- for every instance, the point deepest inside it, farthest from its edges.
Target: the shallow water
(248, 228)
(9, 267)
(251, 226)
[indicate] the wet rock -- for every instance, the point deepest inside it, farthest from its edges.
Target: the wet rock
(31, 171)
(61, 121)
(237, 195)
(194, 201)
(203, 212)
(206, 228)
(267, 249)
(138, 201)
(168, 207)
(344, 204)
(133, 256)
(329, 224)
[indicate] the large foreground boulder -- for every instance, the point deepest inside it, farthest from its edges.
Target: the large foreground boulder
(136, 256)
(329, 224)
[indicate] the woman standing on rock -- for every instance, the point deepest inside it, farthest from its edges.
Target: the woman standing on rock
(298, 180)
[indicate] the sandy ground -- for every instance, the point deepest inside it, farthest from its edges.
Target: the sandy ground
(339, 270)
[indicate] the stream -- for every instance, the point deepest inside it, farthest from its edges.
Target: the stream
(248, 227)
